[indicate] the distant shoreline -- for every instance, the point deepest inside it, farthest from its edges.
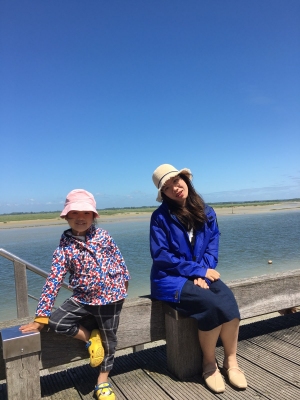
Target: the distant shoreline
(139, 216)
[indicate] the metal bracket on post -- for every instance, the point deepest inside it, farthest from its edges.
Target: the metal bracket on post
(17, 344)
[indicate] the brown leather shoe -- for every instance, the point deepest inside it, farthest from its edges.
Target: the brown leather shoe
(214, 382)
(237, 380)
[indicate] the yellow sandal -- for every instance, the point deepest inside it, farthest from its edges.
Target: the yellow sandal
(104, 391)
(95, 348)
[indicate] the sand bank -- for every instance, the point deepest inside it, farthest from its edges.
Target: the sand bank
(141, 216)
(286, 206)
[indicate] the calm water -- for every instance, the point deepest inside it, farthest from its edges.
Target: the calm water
(247, 243)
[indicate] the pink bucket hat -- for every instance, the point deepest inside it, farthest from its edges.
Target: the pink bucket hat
(79, 200)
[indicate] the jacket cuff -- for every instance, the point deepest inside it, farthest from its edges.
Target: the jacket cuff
(42, 320)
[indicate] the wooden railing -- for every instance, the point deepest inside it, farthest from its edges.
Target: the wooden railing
(144, 320)
(20, 267)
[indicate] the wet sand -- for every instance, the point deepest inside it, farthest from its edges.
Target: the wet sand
(141, 216)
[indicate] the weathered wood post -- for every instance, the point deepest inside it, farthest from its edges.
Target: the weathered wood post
(184, 355)
(21, 289)
(21, 354)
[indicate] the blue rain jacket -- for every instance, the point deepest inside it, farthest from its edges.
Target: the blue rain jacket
(174, 259)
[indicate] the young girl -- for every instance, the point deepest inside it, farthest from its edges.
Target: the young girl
(184, 242)
(99, 279)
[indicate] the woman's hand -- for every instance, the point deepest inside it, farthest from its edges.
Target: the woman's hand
(32, 326)
(201, 282)
(212, 275)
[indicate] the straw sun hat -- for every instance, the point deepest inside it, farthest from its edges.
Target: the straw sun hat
(163, 173)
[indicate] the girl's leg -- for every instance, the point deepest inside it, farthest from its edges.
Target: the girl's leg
(108, 317)
(83, 334)
(66, 320)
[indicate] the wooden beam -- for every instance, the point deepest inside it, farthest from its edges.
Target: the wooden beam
(143, 320)
(267, 293)
(21, 289)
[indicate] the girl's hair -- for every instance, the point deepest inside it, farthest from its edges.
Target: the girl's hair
(192, 215)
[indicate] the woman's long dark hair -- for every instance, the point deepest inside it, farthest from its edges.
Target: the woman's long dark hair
(192, 215)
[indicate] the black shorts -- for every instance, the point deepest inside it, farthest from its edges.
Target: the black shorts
(66, 320)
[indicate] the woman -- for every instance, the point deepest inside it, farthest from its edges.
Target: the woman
(184, 242)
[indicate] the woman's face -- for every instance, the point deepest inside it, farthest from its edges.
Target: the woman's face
(176, 189)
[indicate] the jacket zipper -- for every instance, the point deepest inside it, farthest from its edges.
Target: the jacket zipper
(185, 233)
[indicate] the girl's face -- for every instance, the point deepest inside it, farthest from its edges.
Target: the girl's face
(176, 189)
(80, 221)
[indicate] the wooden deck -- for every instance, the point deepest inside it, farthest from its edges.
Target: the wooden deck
(269, 352)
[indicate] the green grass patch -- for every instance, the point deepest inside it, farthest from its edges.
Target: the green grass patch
(53, 215)
(4, 218)
(28, 216)
(244, 204)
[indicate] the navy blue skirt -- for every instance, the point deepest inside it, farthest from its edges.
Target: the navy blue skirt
(210, 307)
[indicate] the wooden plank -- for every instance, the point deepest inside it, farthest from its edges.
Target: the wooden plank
(193, 388)
(85, 379)
(267, 293)
(263, 382)
(58, 386)
(278, 324)
(270, 374)
(137, 385)
(21, 289)
(133, 381)
(291, 336)
(277, 346)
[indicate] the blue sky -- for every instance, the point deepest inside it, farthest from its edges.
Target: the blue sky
(96, 94)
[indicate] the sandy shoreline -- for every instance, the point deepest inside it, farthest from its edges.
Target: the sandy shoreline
(140, 216)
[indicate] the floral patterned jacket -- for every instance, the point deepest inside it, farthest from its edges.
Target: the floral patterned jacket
(97, 271)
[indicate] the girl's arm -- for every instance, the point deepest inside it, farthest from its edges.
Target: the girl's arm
(52, 285)
(49, 293)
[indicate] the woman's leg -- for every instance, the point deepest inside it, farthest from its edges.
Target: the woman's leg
(211, 373)
(229, 336)
(208, 341)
